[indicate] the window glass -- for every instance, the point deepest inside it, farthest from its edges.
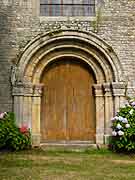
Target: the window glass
(55, 1)
(44, 1)
(67, 10)
(67, 1)
(67, 7)
(55, 10)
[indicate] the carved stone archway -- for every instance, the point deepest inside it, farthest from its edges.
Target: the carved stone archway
(99, 56)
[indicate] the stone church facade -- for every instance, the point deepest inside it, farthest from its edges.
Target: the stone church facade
(65, 71)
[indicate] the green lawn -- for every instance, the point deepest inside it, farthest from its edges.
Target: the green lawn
(66, 165)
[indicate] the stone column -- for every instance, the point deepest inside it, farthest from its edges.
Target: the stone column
(27, 105)
(119, 90)
(99, 98)
(22, 94)
(108, 110)
(18, 99)
(36, 111)
(27, 102)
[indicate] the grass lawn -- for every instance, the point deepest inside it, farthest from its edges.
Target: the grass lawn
(66, 165)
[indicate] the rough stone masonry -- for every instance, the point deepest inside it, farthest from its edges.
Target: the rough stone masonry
(20, 23)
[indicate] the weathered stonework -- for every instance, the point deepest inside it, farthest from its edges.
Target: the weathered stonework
(110, 37)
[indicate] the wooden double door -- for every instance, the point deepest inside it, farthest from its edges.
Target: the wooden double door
(68, 109)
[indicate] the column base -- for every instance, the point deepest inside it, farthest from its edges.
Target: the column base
(99, 138)
(36, 140)
(106, 139)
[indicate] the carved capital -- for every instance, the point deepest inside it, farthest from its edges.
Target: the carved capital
(107, 89)
(18, 90)
(27, 89)
(37, 90)
(98, 89)
(118, 88)
(16, 75)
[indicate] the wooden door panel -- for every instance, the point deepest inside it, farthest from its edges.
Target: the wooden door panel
(80, 112)
(54, 105)
(67, 103)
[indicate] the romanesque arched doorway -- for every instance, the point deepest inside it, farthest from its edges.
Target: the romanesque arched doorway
(68, 108)
(51, 54)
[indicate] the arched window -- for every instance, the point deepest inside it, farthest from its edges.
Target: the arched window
(67, 7)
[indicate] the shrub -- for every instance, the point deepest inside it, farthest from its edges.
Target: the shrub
(123, 129)
(11, 136)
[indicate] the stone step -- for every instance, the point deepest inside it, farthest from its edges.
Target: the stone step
(72, 145)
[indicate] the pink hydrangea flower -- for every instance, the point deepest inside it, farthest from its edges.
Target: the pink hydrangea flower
(133, 103)
(24, 128)
(2, 115)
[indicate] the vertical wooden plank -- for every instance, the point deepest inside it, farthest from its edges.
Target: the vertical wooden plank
(80, 104)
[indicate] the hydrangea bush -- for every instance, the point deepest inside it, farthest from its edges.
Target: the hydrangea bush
(12, 137)
(123, 129)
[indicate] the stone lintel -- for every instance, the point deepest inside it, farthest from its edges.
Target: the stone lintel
(119, 88)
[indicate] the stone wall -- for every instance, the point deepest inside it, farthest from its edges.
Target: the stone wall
(19, 24)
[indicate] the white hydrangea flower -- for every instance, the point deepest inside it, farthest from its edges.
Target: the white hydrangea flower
(119, 126)
(127, 125)
(125, 120)
(131, 111)
(2, 115)
(120, 133)
(116, 117)
(113, 119)
(114, 133)
(120, 118)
